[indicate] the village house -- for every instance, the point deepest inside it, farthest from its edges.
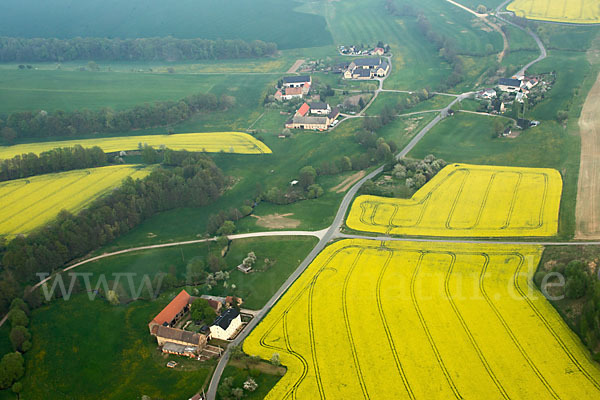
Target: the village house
(174, 340)
(226, 324)
(520, 98)
(320, 108)
(367, 68)
(319, 120)
(302, 81)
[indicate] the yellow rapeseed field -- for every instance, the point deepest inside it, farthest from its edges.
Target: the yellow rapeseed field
(29, 203)
(468, 201)
(573, 11)
(229, 142)
(393, 320)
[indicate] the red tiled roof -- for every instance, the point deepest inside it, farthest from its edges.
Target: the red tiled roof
(303, 109)
(293, 91)
(173, 308)
(214, 304)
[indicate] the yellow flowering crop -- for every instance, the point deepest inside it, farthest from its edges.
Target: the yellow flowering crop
(214, 142)
(468, 201)
(29, 203)
(574, 11)
(393, 320)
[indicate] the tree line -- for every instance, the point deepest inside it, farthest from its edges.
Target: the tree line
(55, 160)
(29, 124)
(14, 49)
(193, 181)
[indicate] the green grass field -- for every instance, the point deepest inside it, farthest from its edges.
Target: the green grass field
(114, 357)
(255, 288)
(86, 349)
(277, 169)
(268, 20)
(391, 99)
(265, 382)
(51, 90)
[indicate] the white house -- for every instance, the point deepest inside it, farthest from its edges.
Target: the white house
(297, 81)
(320, 108)
(226, 324)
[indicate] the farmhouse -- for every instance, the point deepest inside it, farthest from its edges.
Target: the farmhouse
(165, 334)
(320, 108)
(173, 311)
(509, 85)
(226, 324)
(291, 93)
(318, 120)
(302, 81)
(367, 68)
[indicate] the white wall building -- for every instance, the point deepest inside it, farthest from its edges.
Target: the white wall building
(226, 324)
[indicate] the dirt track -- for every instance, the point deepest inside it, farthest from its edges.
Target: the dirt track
(588, 191)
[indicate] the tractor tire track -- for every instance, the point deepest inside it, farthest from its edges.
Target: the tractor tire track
(463, 323)
(426, 329)
(508, 329)
(386, 327)
(543, 319)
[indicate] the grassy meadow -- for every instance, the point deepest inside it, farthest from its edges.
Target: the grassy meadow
(89, 349)
(207, 19)
(108, 355)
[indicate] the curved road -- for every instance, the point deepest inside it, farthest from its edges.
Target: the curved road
(538, 41)
(333, 232)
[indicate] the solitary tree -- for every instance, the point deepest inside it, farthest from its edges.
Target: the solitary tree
(275, 359)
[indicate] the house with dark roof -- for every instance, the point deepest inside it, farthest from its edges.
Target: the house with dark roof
(226, 324)
(367, 68)
(320, 108)
(509, 85)
(297, 81)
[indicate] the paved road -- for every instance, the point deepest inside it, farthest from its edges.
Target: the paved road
(333, 232)
(535, 37)
(465, 241)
